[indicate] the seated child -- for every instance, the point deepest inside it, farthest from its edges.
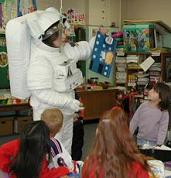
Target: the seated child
(28, 156)
(114, 153)
(60, 157)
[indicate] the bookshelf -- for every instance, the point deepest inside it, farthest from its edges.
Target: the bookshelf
(130, 75)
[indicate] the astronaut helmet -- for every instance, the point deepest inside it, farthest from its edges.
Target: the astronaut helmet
(47, 18)
(52, 24)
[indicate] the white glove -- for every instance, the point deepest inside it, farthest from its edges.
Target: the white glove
(74, 105)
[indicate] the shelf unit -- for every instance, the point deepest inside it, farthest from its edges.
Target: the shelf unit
(160, 70)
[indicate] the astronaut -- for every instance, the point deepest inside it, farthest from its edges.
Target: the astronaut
(52, 75)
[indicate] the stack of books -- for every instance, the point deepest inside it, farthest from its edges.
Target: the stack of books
(155, 72)
(121, 67)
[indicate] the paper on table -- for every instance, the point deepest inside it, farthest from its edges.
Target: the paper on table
(147, 63)
(163, 147)
(167, 173)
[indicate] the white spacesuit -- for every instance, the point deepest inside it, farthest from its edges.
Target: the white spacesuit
(52, 75)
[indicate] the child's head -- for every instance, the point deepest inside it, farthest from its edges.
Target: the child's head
(33, 149)
(161, 95)
(119, 94)
(54, 119)
(114, 148)
(112, 130)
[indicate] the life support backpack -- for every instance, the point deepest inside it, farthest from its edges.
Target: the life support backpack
(18, 39)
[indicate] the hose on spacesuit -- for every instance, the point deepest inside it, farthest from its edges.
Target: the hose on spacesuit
(61, 25)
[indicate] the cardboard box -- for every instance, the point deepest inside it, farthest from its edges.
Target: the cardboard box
(139, 37)
(6, 125)
(21, 122)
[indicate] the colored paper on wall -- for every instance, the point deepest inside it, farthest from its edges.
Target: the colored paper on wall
(26, 6)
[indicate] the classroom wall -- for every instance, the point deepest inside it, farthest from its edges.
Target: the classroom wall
(98, 12)
(116, 10)
(104, 12)
(149, 10)
(123, 11)
(80, 5)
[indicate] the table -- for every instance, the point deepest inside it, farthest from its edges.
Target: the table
(14, 107)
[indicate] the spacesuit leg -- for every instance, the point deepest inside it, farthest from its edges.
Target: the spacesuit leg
(66, 133)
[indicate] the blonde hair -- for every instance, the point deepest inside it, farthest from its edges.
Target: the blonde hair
(54, 119)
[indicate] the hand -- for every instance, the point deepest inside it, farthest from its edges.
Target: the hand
(103, 30)
(76, 116)
(74, 105)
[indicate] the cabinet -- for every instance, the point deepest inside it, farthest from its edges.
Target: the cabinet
(96, 102)
(11, 119)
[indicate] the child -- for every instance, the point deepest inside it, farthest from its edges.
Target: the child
(114, 153)
(26, 157)
(60, 157)
(152, 117)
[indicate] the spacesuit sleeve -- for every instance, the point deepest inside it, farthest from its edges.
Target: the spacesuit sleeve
(81, 51)
(40, 83)
(51, 97)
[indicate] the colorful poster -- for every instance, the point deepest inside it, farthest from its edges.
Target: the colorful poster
(8, 10)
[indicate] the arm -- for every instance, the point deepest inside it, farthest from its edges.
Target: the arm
(81, 51)
(134, 121)
(163, 127)
(67, 158)
(60, 156)
(54, 98)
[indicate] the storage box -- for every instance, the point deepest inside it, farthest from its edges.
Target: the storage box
(6, 126)
(21, 123)
(139, 37)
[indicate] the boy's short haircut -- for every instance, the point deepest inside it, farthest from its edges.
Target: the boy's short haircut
(53, 117)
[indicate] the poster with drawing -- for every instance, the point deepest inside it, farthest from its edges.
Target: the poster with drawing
(103, 54)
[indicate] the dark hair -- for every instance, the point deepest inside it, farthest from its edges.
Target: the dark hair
(114, 149)
(49, 41)
(33, 149)
(164, 92)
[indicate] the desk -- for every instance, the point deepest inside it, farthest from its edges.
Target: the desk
(14, 107)
(96, 102)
